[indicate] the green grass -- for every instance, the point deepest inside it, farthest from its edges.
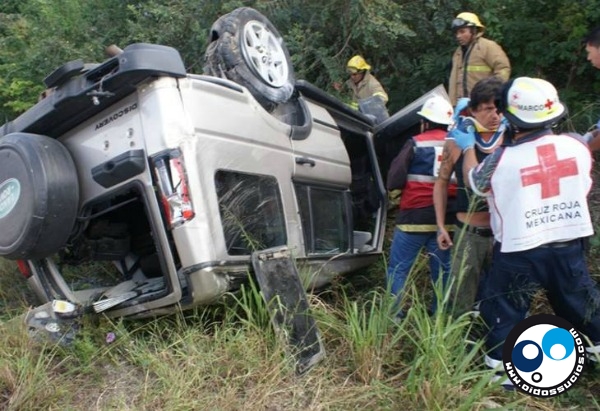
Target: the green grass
(227, 357)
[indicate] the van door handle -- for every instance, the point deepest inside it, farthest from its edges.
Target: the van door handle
(305, 160)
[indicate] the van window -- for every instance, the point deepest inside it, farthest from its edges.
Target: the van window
(325, 219)
(251, 212)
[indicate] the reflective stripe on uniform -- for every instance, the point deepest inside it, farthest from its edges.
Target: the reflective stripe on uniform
(380, 94)
(428, 143)
(417, 228)
(422, 228)
(421, 178)
(504, 74)
(479, 69)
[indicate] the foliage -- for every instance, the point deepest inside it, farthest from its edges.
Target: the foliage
(229, 360)
(368, 328)
(218, 358)
(446, 360)
(250, 307)
(14, 293)
(408, 42)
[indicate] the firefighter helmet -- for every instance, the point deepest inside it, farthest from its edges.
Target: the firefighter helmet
(437, 109)
(357, 63)
(466, 19)
(531, 103)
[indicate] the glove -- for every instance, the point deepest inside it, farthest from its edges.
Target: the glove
(464, 138)
(591, 133)
(461, 104)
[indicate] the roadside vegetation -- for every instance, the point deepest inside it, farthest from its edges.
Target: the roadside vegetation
(227, 357)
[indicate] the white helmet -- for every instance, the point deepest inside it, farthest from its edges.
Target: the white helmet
(531, 103)
(438, 110)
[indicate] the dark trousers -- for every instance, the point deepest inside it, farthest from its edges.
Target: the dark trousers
(514, 279)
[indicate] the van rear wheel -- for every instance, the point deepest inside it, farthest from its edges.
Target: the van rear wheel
(39, 196)
(246, 48)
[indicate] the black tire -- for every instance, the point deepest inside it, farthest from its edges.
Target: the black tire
(39, 196)
(246, 48)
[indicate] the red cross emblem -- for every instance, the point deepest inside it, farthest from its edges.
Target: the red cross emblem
(549, 171)
(548, 104)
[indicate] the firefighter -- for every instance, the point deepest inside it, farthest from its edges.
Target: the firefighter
(475, 58)
(592, 48)
(362, 83)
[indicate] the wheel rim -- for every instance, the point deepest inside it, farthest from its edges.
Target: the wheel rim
(264, 54)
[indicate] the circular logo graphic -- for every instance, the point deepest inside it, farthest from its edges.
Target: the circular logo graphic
(543, 355)
(10, 190)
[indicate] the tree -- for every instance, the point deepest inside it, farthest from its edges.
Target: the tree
(408, 42)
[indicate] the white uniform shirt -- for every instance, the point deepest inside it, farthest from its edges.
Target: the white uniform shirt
(537, 191)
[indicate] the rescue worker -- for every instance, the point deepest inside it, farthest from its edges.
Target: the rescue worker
(539, 187)
(414, 171)
(592, 48)
(473, 238)
(362, 83)
(475, 58)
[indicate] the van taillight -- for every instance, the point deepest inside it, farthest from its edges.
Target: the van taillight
(24, 268)
(173, 188)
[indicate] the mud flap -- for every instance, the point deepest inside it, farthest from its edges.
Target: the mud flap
(286, 300)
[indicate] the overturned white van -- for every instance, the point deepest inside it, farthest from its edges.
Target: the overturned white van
(174, 180)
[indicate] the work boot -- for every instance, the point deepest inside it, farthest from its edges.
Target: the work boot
(593, 355)
(497, 365)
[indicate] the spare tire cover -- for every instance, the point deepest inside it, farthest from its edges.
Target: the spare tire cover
(39, 196)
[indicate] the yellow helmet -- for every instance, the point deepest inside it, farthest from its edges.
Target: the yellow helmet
(466, 19)
(357, 63)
